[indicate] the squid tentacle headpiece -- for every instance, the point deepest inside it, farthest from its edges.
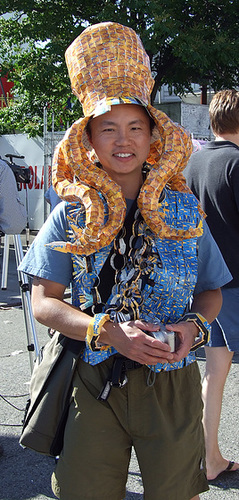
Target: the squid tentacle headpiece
(108, 65)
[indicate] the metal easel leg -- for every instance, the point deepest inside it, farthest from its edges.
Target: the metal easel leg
(26, 304)
(5, 261)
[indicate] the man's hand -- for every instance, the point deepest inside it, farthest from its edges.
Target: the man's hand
(130, 340)
(186, 332)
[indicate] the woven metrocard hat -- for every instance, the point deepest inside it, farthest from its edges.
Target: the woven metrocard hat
(108, 65)
(106, 61)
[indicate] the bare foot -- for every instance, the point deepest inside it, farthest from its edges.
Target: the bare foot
(219, 468)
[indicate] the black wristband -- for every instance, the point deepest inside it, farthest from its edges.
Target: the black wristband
(203, 326)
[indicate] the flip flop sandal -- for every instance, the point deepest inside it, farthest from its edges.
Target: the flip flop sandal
(229, 467)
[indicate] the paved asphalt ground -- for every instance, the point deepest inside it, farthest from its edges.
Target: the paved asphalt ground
(25, 475)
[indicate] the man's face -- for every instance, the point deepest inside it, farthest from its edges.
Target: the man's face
(121, 139)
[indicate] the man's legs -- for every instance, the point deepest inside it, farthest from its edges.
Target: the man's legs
(168, 434)
(218, 363)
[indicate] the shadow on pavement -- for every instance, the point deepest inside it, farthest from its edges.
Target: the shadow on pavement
(30, 472)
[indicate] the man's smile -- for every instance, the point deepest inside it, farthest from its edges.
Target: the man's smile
(123, 155)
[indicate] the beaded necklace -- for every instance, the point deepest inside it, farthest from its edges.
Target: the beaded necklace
(128, 268)
(132, 265)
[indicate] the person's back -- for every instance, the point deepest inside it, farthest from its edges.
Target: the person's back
(213, 176)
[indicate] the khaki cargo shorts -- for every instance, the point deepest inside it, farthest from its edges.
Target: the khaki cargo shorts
(162, 422)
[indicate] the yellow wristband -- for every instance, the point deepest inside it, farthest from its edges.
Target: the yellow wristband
(94, 328)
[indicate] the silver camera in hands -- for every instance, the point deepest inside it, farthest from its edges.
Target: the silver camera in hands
(165, 336)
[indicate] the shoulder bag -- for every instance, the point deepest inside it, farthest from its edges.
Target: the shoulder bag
(50, 395)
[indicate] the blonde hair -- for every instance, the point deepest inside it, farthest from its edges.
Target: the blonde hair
(224, 112)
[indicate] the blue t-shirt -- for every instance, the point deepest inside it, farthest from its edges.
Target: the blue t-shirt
(44, 262)
(177, 270)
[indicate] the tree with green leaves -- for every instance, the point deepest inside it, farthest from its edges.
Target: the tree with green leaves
(188, 42)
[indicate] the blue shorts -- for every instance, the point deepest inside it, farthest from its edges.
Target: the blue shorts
(225, 328)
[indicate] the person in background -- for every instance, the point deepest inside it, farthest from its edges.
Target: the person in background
(13, 215)
(131, 240)
(213, 175)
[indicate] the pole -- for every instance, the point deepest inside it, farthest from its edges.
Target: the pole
(26, 303)
(45, 148)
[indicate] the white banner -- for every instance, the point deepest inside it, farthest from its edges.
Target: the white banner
(195, 118)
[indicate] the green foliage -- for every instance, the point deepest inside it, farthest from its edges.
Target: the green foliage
(187, 42)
